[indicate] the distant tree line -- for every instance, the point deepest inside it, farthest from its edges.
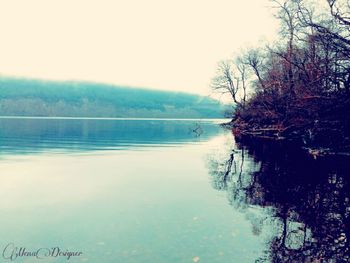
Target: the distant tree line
(300, 86)
(23, 97)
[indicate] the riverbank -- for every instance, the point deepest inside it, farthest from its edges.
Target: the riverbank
(317, 138)
(297, 89)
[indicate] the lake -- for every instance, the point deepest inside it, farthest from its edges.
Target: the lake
(167, 191)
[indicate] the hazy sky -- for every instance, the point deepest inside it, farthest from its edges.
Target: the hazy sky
(171, 45)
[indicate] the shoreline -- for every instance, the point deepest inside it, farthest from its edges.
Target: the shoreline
(274, 135)
(110, 118)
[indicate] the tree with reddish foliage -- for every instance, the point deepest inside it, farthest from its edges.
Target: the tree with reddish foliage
(300, 88)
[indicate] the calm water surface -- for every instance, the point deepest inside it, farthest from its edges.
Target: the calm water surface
(158, 191)
(119, 191)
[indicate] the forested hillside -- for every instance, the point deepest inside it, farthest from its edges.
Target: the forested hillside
(23, 97)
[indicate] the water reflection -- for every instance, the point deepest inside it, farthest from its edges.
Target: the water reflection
(307, 200)
(125, 206)
(27, 135)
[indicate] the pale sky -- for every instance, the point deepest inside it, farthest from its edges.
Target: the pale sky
(162, 44)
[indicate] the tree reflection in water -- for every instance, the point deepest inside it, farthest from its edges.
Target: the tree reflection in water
(308, 199)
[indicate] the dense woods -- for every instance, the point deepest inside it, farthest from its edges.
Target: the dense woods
(23, 97)
(299, 87)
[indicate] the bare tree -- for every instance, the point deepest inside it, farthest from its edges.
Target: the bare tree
(340, 10)
(290, 24)
(231, 79)
(254, 59)
(242, 69)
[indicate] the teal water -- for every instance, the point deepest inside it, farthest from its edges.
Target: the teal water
(121, 191)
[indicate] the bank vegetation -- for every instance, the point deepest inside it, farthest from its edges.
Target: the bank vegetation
(299, 87)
